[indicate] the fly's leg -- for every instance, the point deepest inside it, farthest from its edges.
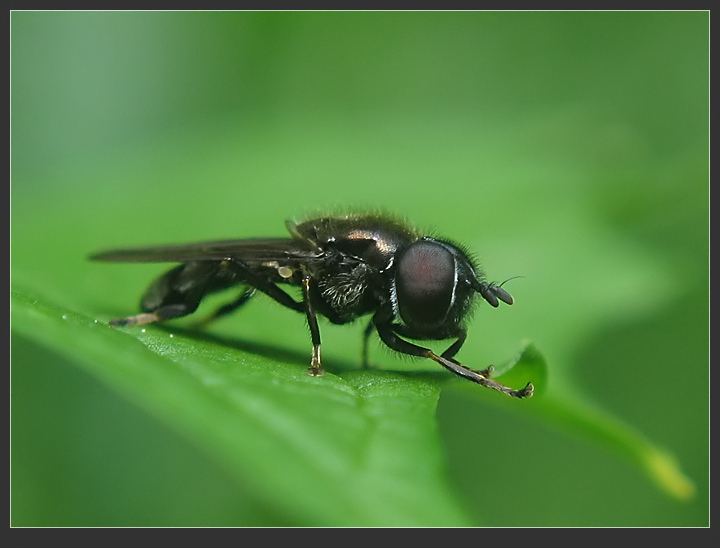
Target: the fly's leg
(167, 312)
(387, 333)
(250, 277)
(227, 308)
(455, 347)
(366, 340)
(175, 294)
(449, 354)
(316, 359)
(138, 319)
(179, 292)
(284, 299)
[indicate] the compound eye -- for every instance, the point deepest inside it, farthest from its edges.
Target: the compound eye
(425, 283)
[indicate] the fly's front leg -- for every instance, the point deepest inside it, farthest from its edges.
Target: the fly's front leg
(449, 354)
(316, 360)
(390, 337)
(455, 347)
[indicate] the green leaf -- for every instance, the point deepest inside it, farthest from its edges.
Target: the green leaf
(578, 415)
(574, 157)
(361, 449)
(581, 416)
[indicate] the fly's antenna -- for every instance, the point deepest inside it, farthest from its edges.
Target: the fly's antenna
(492, 292)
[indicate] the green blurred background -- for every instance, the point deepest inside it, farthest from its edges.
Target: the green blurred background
(569, 148)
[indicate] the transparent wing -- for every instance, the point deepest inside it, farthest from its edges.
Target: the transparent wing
(250, 251)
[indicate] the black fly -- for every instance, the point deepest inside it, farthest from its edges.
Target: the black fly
(414, 286)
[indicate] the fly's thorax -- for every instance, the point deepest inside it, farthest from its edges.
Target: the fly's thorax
(345, 287)
(371, 238)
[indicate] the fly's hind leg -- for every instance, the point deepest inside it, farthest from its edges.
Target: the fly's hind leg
(226, 308)
(175, 294)
(138, 319)
(163, 313)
